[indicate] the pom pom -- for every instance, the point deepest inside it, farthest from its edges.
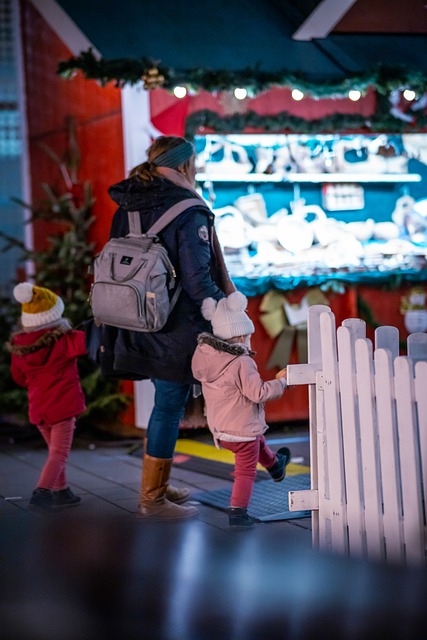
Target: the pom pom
(208, 308)
(23, 292)
(236, 301)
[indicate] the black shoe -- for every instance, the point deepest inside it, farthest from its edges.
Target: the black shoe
(238, 518)
(42, 499)
(278, 470)
(65, 498)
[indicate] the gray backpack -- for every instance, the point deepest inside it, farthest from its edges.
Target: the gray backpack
(134, 278)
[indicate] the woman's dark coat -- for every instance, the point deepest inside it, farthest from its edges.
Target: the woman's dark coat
(165, 354)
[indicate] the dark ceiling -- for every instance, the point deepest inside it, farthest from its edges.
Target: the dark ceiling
(237, 34)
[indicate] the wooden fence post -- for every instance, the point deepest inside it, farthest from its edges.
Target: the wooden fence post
(347, 336)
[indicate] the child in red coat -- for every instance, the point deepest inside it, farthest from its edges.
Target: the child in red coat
(44, 361)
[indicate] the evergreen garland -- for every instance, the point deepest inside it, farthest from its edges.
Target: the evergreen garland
(154, 75)
(132, 70)
(380, 121)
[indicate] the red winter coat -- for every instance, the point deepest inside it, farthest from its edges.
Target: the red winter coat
(45, 362)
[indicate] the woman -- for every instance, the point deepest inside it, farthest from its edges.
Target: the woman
(167, 177)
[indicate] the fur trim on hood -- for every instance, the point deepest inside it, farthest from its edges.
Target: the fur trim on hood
(236, 349)
(46, 339)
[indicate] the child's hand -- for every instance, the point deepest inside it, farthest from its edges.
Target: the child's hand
(281, 374)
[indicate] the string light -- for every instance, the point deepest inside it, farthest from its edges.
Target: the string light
(409, 95)
(354, 95)
(297, 94)
(240, 93)
(180, 92)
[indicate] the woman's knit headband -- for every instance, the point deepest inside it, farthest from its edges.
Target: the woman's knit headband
(174, 157)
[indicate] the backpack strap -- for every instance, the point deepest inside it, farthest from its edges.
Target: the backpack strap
(167, 217)
(174, 212)
(134, 223)
(164, 220)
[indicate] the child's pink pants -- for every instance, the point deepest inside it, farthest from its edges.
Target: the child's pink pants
(247, 455)
(59, 438)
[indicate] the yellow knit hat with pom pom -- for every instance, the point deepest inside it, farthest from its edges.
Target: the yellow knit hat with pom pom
(40, 306)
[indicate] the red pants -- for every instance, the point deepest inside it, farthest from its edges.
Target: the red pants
(247, 455)
(59, 438)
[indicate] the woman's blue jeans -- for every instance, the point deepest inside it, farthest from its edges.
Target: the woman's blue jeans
(170, 400)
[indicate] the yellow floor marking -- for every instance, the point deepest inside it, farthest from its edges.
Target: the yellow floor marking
(210, 452)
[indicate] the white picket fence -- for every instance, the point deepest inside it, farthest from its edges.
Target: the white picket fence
(368, 440)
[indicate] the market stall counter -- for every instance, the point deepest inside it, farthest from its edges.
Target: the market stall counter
(335, 219)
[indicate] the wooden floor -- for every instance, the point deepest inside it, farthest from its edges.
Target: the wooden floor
(98, 572)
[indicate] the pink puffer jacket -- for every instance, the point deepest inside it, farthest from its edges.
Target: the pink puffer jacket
(232, 387)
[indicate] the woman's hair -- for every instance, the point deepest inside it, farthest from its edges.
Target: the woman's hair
(147, 170)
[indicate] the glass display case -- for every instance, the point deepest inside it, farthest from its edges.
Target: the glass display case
(300, 209)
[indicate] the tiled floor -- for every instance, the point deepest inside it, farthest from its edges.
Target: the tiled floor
(106, 474)
(96, 572)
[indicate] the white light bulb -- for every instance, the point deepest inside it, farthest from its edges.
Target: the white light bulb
(180, 92)
(354, 95)
(240, 93)
(297, 94)
(409, 95)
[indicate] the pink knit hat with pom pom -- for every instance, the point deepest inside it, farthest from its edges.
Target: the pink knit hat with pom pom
(228, 317)
(40, 306)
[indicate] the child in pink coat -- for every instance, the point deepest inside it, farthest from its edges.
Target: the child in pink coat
(44, 361)
(235, 394)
